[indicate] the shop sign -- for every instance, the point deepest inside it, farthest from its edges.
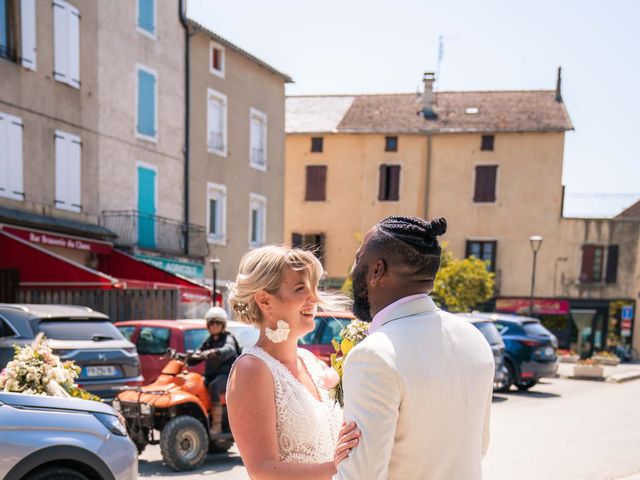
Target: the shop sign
(54, 240)
(540, 306)
(191, 270)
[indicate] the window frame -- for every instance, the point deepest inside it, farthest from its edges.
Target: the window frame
(10, 53)
(475, 183)
(256, 199)
(587, 275)
(314, 144)
(222, 98)
(254, 113)
(388, 166)
(218, 73)
(488, 140)
(218, 192)
(387, 148)
(152, 35)
(16, 334)
(483, 242)
(154, 73)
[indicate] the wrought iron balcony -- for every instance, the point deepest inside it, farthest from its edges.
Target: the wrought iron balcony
(135, 229)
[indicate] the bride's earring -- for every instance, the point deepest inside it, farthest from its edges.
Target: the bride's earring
(280, 334)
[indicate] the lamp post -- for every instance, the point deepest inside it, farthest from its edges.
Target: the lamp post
(536, 243)
(214, 274)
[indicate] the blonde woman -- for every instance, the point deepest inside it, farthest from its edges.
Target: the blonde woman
(283, 421)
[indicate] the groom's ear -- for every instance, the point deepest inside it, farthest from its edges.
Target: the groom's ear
(379, 269)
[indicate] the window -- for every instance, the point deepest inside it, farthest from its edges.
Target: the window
(216, 59)
(147, 17)
(11, 185)
(8, 29)
(316, 183)
(193, 339)
(217, 122)
(62, 328)
(216, 213)
(313, 242)
(485, 185)
(390, 144)
(316, 144)
(592, 262)
(27, 33)
(68, 172)
(389, 186)
(484, 250)
(147, 95)
(127, 332)
(66, 43)
(153, 341)
(487, 142)
(6, 330)
(257, 220)
(612, 264)
(258, 134)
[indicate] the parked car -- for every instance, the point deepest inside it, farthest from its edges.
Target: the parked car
(530, 349)
(488, 328)
(52, 438)
(107, 359)
(153, 339)
(328, 326)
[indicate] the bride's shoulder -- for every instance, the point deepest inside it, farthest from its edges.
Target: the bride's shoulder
(249, 373)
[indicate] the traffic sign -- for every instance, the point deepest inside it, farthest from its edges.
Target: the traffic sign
(627, 312)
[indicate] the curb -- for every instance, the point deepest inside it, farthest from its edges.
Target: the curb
(623, 377)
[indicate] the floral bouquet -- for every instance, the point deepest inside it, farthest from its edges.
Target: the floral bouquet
(36, 370)
(350, 336)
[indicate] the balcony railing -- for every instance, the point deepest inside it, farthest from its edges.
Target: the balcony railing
(135, 229)
(257, 157)
(216, 141)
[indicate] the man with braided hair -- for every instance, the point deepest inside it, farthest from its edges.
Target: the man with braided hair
(419, 387)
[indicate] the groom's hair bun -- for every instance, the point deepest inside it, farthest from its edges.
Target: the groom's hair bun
(410, 245)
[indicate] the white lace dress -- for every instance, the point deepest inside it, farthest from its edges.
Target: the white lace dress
(307, 429)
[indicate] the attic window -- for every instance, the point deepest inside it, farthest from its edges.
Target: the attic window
(471, 110)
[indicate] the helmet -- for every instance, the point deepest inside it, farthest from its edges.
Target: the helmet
(216, 314)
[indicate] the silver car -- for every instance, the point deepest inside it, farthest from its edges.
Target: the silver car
(51, 438)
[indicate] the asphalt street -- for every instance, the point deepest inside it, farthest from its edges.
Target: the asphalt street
(561, 430)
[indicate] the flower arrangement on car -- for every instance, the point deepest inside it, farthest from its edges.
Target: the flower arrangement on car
(35, 370)
(349, 337)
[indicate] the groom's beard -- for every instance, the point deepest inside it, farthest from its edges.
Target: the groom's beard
(361, 306)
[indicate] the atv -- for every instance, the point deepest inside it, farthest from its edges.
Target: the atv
(177, 405)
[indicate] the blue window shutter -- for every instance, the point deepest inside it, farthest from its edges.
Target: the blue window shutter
(146, 103)
(4, 36)
(146, 15)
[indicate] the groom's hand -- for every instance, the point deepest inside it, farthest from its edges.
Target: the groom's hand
(348, 438)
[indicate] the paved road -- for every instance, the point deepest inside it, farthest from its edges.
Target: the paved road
(560, 430)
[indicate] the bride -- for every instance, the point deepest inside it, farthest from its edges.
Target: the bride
(283, 421)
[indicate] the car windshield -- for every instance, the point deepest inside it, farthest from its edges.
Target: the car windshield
(535, 329)
(194, 338)
(71, 329)
(490, 332)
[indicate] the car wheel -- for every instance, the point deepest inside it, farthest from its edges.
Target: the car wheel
(509, 379)
(55, 473)
(220, 446)
(524, 385)
(184, 443)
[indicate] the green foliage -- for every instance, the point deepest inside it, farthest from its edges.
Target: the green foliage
(462, 284)
(347, 286)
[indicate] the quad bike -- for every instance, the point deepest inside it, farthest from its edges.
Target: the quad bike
(177, 405)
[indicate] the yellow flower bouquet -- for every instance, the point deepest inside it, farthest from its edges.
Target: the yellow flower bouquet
(349, 337)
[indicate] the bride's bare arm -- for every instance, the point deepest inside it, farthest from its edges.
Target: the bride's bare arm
(252, 415)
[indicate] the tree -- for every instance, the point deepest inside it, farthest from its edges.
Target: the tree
(462, 284)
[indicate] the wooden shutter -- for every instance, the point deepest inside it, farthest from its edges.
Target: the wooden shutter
(61, 200)
(28, 33)
(74, 172)
(382, 184)
(316, 184)
(586, 271)
(60, 41)
(393, 187)
(612, 264)
(73, 23)
(485, 185)
(14, 157)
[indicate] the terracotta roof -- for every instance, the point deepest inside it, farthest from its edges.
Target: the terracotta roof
(499, 111)
(632, 212)
(235, 48)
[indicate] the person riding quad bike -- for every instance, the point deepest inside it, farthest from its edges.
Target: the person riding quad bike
(219, 351)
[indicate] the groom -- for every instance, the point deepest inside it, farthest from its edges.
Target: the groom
(419, 387)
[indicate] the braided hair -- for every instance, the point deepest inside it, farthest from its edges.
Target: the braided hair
(410, 245)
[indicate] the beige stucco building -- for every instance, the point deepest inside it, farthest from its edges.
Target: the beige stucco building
(236, 185)
(489, 162)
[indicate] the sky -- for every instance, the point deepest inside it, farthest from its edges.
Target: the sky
(374, 46)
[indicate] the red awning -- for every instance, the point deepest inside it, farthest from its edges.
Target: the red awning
(134, 273)
(41, 268)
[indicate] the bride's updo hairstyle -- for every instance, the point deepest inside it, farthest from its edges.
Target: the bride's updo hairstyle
(263, 269)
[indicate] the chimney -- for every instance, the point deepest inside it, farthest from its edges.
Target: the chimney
(559, 85)
(428, 96)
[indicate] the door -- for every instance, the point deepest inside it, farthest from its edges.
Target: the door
(583, 321)
(146, 207)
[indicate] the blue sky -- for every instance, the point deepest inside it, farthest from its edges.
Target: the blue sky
(375, 46)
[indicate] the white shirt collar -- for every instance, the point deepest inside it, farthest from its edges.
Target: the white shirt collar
(383, 315)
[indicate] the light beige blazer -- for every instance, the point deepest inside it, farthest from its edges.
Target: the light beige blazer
(420, 390)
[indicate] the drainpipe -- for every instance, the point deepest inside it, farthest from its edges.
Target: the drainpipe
(427, 180)
(187, 117)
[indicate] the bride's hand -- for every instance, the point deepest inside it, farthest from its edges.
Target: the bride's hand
(349, 437)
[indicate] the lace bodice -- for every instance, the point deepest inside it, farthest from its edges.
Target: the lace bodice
(307, 429)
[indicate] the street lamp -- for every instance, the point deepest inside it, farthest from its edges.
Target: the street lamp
(536, 243)
(215, 261)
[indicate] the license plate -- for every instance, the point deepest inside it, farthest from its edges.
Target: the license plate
(101, 371)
